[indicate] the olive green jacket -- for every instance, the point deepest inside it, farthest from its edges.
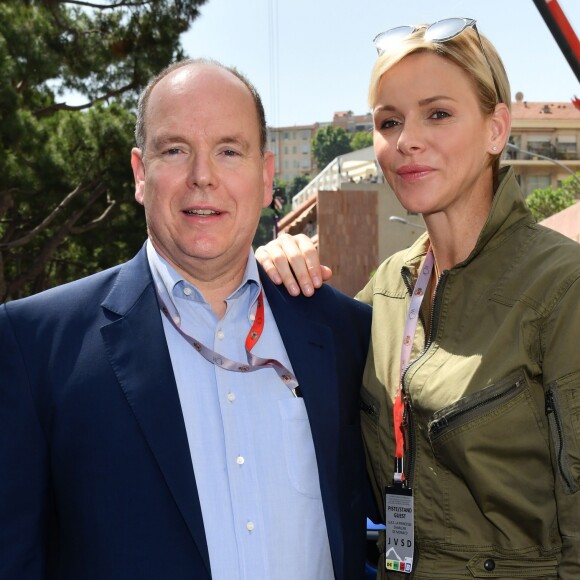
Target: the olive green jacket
(494, 434)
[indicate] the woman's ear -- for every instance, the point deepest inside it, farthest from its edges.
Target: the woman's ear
(500, 126)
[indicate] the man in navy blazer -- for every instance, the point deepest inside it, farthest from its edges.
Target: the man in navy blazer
(96, 473)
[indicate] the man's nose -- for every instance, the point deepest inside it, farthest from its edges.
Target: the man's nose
(202, 172)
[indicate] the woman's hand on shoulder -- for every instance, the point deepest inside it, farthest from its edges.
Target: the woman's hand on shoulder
(294, 262)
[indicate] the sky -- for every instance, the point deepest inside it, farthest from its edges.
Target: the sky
(311, 58)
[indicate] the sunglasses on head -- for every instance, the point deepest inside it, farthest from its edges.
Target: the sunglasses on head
(440, 31)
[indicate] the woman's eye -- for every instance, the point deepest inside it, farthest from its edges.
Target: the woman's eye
(389, 124)
(440, 115)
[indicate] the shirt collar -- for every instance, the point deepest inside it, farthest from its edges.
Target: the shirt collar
(170, 284)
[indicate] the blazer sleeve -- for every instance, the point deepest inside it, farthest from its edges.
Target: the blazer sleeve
(24, 466)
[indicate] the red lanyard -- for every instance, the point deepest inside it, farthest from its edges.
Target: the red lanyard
(257, 326)
(254, 362)
(410, 328)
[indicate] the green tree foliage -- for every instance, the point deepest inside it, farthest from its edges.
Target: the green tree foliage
(546, 202)
(361, 140)
(66, 187)
(269, 217)
(329, 143)
(296, 186)
(265, 231)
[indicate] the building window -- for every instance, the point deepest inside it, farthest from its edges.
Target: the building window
(537, 182)
(305, 135)
(566, 147)
(541, 144)
(294, 149)
(305, 149)
(286, 135)
(512, 150)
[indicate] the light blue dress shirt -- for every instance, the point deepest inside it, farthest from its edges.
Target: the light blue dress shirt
(249, 438)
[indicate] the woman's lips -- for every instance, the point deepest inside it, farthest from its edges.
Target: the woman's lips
(414, 172)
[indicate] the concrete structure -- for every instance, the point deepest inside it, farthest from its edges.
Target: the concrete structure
(566, 222)
(352, 230)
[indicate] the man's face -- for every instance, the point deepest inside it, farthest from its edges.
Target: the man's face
(202, 177)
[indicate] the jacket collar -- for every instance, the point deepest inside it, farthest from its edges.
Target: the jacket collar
(508, 211)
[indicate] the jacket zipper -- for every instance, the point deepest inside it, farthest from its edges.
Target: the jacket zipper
(408, 419)
(552, 412)
(435, 313)
(438, 425)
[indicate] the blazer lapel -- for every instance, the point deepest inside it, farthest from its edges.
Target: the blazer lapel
(310, 347)
(138, 354)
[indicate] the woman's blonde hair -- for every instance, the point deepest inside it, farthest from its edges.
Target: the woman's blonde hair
(465, 51)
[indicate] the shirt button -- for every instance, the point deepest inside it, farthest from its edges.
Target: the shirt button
(252, 317)
(187, 291)
(240, 460)
(250, 526)
(231, 397)
(220, 334)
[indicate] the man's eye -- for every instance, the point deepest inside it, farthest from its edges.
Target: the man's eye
(230, 153)
(172, 151)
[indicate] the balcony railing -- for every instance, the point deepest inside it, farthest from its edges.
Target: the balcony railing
(548, 150)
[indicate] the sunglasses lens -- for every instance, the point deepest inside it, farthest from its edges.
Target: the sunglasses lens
(385, 40)
(446, 29)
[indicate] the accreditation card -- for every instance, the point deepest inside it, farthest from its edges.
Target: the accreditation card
(399, 529)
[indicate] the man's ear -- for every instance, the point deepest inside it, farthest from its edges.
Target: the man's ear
(138, 173)
(268, 171)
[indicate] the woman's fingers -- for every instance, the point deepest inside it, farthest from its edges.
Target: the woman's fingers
(293, 261)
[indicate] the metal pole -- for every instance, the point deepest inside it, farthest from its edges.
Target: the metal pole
(562, 32)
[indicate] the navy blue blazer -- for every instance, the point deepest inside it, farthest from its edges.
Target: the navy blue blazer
(96, 479)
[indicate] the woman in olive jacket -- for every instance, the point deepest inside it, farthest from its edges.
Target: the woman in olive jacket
(475, 327)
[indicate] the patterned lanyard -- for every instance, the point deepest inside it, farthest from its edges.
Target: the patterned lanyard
(254, 363)
(410, 329)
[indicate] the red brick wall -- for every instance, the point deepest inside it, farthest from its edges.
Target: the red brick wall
(348, 236)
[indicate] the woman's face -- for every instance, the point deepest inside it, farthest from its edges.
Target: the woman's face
(430, 136)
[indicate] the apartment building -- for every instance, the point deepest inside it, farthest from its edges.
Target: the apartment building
(291, 145)
(543, 148)
(352, 123)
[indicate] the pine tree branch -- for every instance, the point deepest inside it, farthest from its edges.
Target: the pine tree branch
(120, 4)
(64, 107)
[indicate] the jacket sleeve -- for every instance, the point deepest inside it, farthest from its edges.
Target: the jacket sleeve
(561, 371)
(23, 467)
